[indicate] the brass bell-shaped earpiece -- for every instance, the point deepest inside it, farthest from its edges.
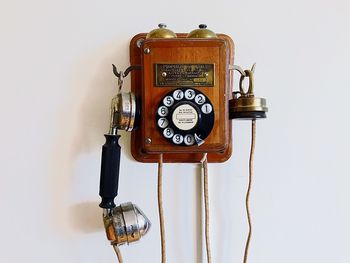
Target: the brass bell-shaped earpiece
(161, 32)
(245, 105)
(202, 32)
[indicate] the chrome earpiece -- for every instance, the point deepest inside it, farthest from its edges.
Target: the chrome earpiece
(124, 111)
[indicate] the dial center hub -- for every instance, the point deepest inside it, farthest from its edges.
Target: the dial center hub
(185, 117)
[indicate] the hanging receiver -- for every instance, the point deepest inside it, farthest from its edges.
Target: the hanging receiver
(125, 223)
(245, 105)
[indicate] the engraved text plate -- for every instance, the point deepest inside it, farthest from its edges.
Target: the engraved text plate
(184, 75)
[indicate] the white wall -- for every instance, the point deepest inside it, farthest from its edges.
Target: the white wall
(56, 85)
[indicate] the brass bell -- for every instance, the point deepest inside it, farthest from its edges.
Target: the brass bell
(202, 32)
(245, 105)
(161, 32)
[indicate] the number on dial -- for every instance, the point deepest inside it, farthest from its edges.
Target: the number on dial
(168, 101)
(168, 133)
(163, 111)
(207, 108)
(199, 99)
(189, 139)
(178, 139)
(190, 94)
(178, 94)
(163, 123)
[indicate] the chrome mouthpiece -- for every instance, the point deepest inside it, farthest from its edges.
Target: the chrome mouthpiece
(125, 224)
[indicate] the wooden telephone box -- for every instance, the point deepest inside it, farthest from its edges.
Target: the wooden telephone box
(183, 89)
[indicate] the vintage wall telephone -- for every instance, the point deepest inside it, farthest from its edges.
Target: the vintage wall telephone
(179, 110)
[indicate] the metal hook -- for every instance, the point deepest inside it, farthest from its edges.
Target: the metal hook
(250, 74)
(126, 72)
(240, 70)
(120, 80)
(115, 71)
(237, 68)
(121, 75)
(253, 68)
(244, 73)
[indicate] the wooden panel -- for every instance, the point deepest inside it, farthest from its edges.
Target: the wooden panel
(218, 51)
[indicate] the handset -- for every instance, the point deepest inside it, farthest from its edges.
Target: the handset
(125, 223)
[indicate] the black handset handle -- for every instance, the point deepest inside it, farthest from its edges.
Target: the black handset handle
(110, 164)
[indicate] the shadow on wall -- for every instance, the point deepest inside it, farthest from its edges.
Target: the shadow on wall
(86, 217)
(80, 127)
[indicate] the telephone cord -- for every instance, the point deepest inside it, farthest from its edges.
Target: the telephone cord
(204, 162)
(250, 179)
(118, 253)
(160, 207)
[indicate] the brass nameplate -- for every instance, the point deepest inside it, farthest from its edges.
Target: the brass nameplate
(184, 75)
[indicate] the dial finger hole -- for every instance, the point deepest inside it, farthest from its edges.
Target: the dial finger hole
(163, 111)
(189, 139)
(178, 139)
(168, 133)
(168, 101)
(163, 122)
(190, 94)
(199, 99)
(207, 108)
(178, 94)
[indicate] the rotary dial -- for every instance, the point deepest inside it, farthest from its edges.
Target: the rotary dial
(185, 117)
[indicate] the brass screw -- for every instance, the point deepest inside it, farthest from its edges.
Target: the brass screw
(164, 74)
(148, 140)
(147, 50)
